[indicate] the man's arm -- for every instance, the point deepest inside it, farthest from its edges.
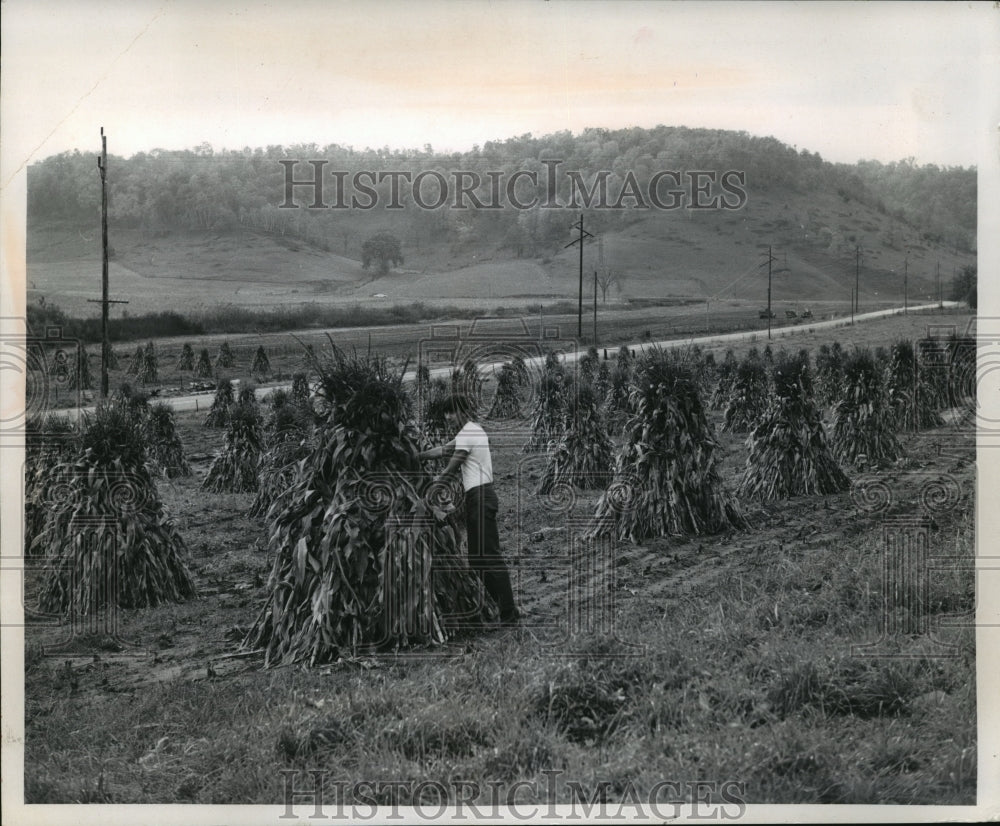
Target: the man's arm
(438, 452)
(457, 457)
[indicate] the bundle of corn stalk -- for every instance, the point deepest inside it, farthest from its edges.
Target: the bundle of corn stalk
(79, 375)
(234, 468)
(583, 457)
(829, 374)
(148, 367)
(433, 420)
(218, 414)
(112, 357)
(287, 441)
(261, 365)
(186, 360)
(666, 479)
(163, 443)
(587, 366)
(300, 386)
(364, 557)
(910, 392)
(621, 378)
(204, 367)
(466, 381)
(864, 422)
(135, 366)
(107, 537)
(550, 406)
(748, 399)
(48, 440)
(507, 399)
(788, 450)
(725, 377)
(225, 359)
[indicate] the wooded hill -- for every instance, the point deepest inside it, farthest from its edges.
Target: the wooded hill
(215, 216)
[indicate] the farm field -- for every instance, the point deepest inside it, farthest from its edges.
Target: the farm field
(406, 342)
(737, 657)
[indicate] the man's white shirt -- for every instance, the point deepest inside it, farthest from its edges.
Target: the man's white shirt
(477, 469)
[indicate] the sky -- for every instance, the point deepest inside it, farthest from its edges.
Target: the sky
(850, 81)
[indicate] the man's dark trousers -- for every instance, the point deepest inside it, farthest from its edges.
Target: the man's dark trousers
(485, 558)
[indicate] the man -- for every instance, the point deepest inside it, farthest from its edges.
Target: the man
(470, 452)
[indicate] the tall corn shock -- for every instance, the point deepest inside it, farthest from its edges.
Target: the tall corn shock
(621, 378)
(261, 365)
(288, 438)
(48, 440)
(788, 450)
(583, 457)
(910, 391)
(364, 558)
(203, 369)
(550, 406)
(186, 361)
(107, 537)
(234, 468)
(864, 422)
(433, 421)
(748, 399)
(79, 375)
(666, 479)
(149, 370)
(725, 377)
(829, 374)
(166, 452)
(136, 365)
(507, 399)
(218, 414)
(225, 359)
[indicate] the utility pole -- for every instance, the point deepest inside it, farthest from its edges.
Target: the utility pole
(852, 305)
(102, 165)
(939, 284)
(583, 234)
(770, 260)
(595, 308)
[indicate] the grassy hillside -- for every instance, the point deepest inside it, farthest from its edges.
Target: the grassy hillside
(704, 255)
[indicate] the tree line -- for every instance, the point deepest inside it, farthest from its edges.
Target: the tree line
(200, 189)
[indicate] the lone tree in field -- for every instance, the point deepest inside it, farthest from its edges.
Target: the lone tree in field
(163, 443)
(864, 422)
(234, 468)
(666, 478)
(225, 359)
(585, 453)
(204, 368)
(218, 414)
(725, 378)
(186, 360)
(749, 396)
(109, 525)
(789, 454)
(354, 541)
(382, 251)
(911, 394)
